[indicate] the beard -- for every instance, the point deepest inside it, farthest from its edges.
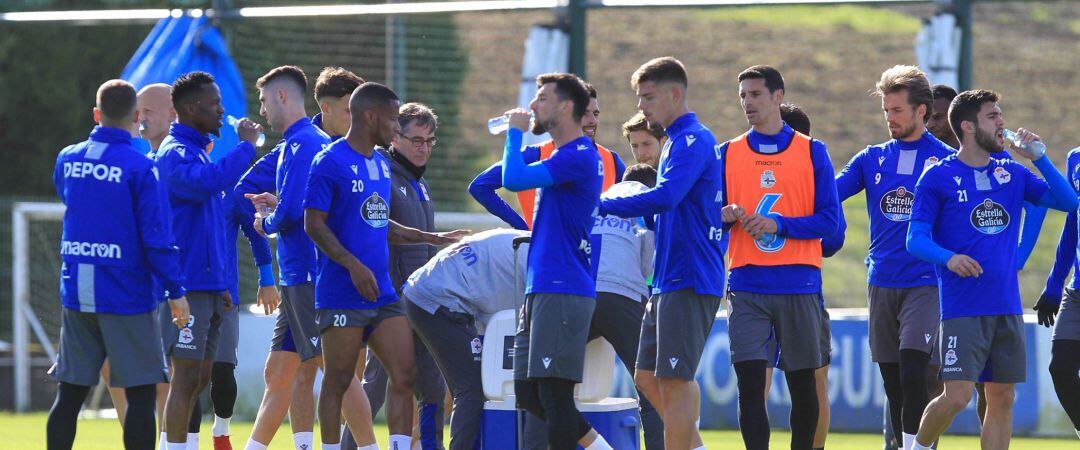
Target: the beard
(988, 141)
(903, 133)
(540, 126)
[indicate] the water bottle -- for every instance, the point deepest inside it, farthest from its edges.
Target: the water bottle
(500, 124)
(235, 123)
(1037, 148)
(264, 212)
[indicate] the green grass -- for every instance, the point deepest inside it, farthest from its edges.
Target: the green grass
(28, 431)
(859, 18)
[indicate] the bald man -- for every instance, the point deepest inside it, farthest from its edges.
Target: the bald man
(156, 113)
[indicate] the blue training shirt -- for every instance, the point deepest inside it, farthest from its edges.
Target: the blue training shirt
(976, 212)
(686, 200)
(196, 186)
(483, 187)
(117, 236)
(240, 214)
(888, 173)
(354, 191)
(296, 252)
(822, 224)
(559, 256)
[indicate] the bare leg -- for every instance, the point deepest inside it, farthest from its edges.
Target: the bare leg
(392, 343)
(279, 374)
(682, 402)
(940, 412)
(997, 426)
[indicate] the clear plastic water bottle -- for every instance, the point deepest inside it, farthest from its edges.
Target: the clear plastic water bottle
(235, 123)
(1037, 148)
(500, 124)
(264, 212)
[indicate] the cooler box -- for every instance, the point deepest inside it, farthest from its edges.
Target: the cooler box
(616, 419)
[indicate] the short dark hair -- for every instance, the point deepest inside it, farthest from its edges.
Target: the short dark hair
(291, 73)
(665, 69)
(966, 106)
(642, 173)
(568, 87)
(640, 123)
(370, 95)
(907, 78)
(795, 117)
(773, 79)
(417, 114)
(943, 91)
(116, 99)
(188, 85)
(591, 89)
(336, 82)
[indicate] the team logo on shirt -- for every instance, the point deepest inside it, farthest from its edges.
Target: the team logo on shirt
(896, 204)
(355, 170)
(690, 139)
(880, 160)
(989, 217)
(295, 147)
(930, 162)
(1001, 175)
(376, 211)
(477, 348)
(186, 336)
(768, 179)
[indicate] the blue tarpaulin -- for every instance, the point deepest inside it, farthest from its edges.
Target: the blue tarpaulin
(177, 45)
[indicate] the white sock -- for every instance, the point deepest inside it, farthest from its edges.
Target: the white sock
(915, 445)
(1078, 433)
(254, 445)
(192, 441)
(326, 446)
(400, 442)
(163, 444)
(304, 440)
(374, 446)
(221, 426)
(176, 445)
(701, 448)
(909, 441)
(599, 444)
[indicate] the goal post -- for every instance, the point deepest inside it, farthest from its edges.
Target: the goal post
(23, 317)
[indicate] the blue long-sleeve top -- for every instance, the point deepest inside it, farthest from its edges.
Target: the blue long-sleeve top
(241, 215)
(823, 223)
(689, 229)
(296, 251)
(196, 186)
(483, 187)
(317, 120)
(943, 213)
(1065, 257)
(832, 244)
(117, 236)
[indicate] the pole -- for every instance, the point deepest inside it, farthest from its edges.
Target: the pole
(578, 38)
(20, 277)
(967, 57)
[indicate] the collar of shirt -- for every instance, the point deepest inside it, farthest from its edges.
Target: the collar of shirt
(924, 141)
(110, 135)
(297, 127)
(681, 124)
(189, 136)
(769, 144)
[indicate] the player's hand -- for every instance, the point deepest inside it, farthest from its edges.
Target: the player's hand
(731, 213)
(181, 313)
(364, 281)
(248, 131)
(268, 298)
(1047, 308)
(1026, 137)
(227, 298)
(758, 225)
(519, 118)
(264, 203)
(964, 266)
(446, 238)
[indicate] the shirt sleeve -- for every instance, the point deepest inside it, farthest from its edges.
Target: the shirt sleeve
(260, 246)
(928, 201)
(155, 230)
(58, 177)
(320, 187)
(482, 189)
(620, 166)
(684, 166)
(190, 179)
(850, 179)
(833, 243)
(290, 209)
(1034, 216)
(1064, 258)
(823, 222)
